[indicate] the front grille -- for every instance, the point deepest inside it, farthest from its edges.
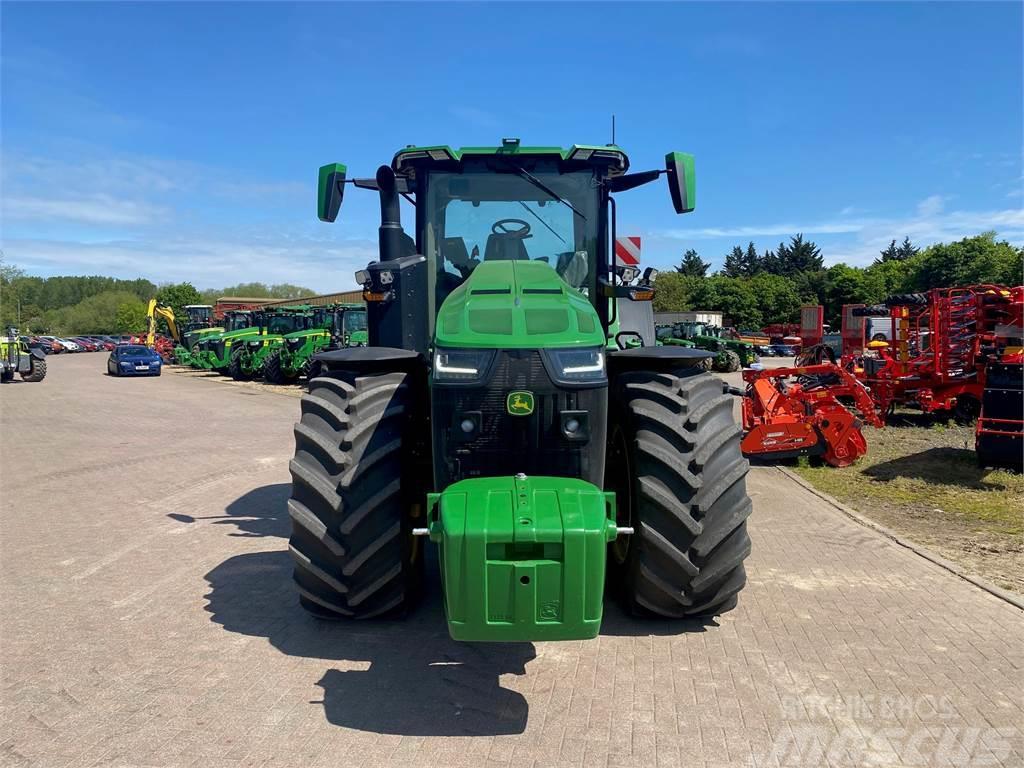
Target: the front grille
(217, 347)
(506, 444)
(294, 344)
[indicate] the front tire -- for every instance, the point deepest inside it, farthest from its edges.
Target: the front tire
(36, 371)
(352, 546)
(235, 369)
(273, 373)
(675, 462)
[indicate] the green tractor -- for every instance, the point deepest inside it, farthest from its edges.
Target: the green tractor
(498, 413)
(730, 354)
(215, 348)
(17, 358)
(198, 325)
(271, 326)
(333, 327)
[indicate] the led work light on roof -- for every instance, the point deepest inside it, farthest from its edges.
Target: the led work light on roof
(510, 142)
(581, 154)
(440, 154)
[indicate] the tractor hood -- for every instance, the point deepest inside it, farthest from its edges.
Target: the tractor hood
(304, 333)
(517, 305)
(240, 334)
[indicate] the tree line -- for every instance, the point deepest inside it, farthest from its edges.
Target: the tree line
(70, 305)
(753, 289)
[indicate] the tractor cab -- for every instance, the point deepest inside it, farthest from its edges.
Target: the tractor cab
(500, 411)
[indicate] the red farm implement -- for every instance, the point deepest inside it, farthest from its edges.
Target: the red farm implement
(936, 346)
(783, 419)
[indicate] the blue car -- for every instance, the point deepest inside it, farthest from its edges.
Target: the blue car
(133, 360)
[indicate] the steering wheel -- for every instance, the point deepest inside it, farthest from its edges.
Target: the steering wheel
(501, 227)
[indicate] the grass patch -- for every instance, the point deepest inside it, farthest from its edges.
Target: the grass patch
(921, 479)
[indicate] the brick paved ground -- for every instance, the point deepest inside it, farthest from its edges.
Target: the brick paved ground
(147, 619)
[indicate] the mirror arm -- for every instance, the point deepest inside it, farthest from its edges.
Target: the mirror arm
(632, 180)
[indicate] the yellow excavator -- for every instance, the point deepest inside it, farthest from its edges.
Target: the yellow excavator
(152, 311)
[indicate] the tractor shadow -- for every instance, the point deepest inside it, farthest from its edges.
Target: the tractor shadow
(259, 513)
(936, 466)
(393, 676)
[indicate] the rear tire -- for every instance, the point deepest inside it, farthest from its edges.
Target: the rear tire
(37, 371)
(732, 362)
(272, 371)
(6, 376)
(683, 482)
(352, 546)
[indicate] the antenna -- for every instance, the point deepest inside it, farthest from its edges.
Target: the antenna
(613, 127)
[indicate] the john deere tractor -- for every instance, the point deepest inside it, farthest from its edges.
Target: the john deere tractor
(198, 324)
(494, 413)
(17, 358)
(332, 327)
(215, 348)
(271, 326)
(730, 354)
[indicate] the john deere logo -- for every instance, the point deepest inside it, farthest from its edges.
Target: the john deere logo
(519, 403)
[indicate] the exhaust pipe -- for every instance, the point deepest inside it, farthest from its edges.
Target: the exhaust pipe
(390, 232)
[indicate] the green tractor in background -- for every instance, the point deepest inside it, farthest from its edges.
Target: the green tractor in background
(333, 327)
(198, 324)
(215, 348)
(270, 325)
(730, 354)
(499, 413)
(17, 358)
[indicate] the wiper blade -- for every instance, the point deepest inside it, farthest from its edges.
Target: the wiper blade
(544, 188)
(533, 213)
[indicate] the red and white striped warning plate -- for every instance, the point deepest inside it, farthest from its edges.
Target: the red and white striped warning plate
(627, 251)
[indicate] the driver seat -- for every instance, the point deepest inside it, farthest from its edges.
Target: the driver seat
(505, 247)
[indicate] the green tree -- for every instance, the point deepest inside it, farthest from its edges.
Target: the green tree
(131, 317)
(777, 298)
(979, 259)
(892, 253)
(751, 261)
(901, 252)
(733, 266)
(692, 265)
(907, 250)
(672, 292)
(177, 296)
(799, 256)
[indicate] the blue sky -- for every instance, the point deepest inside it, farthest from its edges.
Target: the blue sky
(181, 141)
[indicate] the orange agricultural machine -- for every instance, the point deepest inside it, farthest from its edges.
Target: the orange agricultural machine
(784, 419)
(936, 346)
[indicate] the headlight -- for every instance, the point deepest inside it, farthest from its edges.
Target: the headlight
(461, 364)
(576, 366)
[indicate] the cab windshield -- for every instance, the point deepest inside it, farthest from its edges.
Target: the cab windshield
(354, 321)
(508, 215)
(284, 324)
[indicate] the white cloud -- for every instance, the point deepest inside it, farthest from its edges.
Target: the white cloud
(95, 209)
(931, 206)
(324, 266)
(867, 236)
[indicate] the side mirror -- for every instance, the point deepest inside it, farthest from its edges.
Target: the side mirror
(330, 190)
(681, 181)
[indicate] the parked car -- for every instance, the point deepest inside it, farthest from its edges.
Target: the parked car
(134, 360)
(783, 350)
(86, 344)
(69, 345)
(55, 346)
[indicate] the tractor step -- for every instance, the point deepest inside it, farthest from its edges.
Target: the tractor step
(523, 558)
